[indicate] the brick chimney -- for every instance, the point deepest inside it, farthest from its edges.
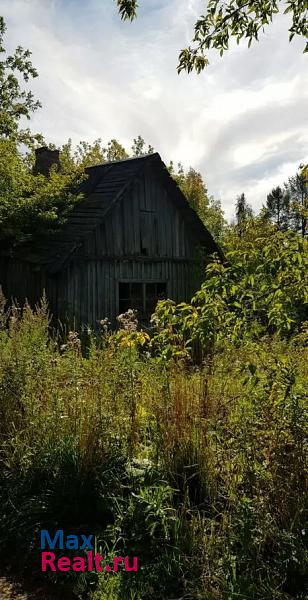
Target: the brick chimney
(44, 160)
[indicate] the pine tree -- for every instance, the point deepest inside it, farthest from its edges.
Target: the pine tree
(278, 207)
(243, 212)
(297, 188)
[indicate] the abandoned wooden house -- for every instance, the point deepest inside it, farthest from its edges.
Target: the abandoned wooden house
(130, 241)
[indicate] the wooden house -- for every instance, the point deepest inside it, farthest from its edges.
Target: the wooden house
(130, 241)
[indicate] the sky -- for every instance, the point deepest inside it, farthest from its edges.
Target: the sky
(242, 123)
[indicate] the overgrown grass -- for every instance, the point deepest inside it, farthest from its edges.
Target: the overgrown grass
(199, 472)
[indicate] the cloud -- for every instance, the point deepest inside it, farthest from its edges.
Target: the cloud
(242, 123)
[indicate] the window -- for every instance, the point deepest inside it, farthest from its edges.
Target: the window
(153, 293)
(141, 296)
(130, 296)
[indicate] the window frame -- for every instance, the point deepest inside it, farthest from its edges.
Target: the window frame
(143, 283)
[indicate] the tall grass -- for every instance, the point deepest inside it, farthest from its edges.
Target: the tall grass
(201, 472)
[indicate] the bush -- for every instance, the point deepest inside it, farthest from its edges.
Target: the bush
(198, 471)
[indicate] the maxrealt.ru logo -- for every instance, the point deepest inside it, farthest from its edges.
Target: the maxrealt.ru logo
(90, 561)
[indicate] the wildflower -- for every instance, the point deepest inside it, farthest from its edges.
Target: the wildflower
(104, 323)
(73, 342)
(128, 320)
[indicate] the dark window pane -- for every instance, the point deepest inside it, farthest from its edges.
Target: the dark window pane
(162, 290)
(124, 305)
(150, 306)
(142, 297)
(138, 305)
(154, 292)
(136, 290)
(131, 296)
(151, 290)
(124, 291)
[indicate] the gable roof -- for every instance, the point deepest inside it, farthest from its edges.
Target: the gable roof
(104, 186)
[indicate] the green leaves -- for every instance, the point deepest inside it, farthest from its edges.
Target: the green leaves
(239, 19)
(207, 207)
(262, 290)
(299, 11)
(127, 9)
(190, 60)
(15, 102)
(30, 205)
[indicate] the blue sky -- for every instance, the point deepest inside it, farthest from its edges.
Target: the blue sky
(242, 123)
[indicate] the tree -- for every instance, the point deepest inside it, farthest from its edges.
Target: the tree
(87, 154)
(139, 149)
(84, 154)
(261, 289)
(214, 219)
(32, 205)
(16, 103)
(243, 212)
(207, 207)
(278, 207)
(29, 205)
(239, 19)
(115, 151)
(297, 187)
(193, 186)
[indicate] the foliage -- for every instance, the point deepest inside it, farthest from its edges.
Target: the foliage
(243, 212)
(16, 103)
(278, 207)
(139, 147)
(211, 495)
(127, 9)
(287, 207)
(222, 21)
(28, 205)
(239, 19)
(31, 205)
(208, 209)
(261, 289)
(128, 335)
(297, 188)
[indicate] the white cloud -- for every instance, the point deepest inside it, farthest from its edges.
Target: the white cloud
(242, 122)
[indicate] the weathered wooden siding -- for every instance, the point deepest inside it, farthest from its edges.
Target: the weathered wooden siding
(144, 222)
(143, 239)
(21, 280)
(88, 289)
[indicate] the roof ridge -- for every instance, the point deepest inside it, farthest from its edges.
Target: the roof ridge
(129, 159)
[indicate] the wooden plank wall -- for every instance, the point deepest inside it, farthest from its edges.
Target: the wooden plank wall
(21, 280)
(145, 219)
(146, 203)
(89, 289)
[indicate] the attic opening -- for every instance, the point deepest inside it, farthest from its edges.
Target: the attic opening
(141, 296)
